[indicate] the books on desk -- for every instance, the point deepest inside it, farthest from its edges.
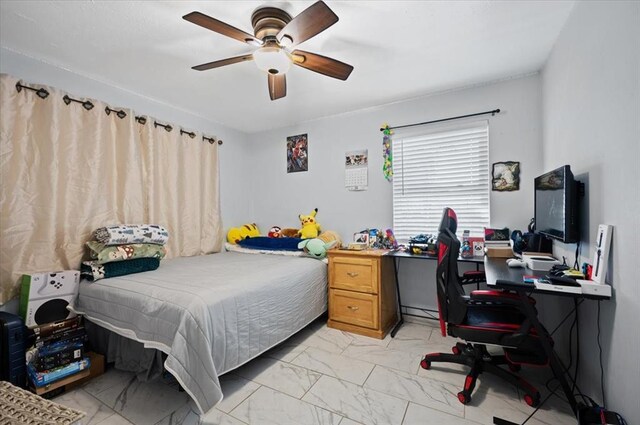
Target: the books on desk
(497, 243)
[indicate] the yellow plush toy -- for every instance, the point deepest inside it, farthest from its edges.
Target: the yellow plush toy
(310, 229)
(236, 234)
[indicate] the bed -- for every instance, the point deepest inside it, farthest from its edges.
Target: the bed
(210, 314)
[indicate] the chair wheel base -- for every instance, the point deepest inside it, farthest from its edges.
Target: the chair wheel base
(532, 401)
(425, 364)
(464, 398)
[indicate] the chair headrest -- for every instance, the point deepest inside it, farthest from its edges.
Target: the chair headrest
(449, 221)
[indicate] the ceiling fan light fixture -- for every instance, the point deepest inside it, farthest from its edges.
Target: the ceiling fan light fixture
(272, 59)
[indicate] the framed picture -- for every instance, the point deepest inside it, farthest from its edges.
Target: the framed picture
(297, 153)
(477, 246)
(506, 176)
(361, 238)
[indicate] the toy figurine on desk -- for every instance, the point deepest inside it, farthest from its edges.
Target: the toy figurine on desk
(465, 248)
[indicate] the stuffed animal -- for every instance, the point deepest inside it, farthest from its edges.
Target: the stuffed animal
(289, 232)
(330, 236)
(316, 247)
(275, 232)
(310, 229)
(236, 234)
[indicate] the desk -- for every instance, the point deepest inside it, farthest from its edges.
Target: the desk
(401, 254)
(499, 275)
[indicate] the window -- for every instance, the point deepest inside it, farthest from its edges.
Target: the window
(433, 169)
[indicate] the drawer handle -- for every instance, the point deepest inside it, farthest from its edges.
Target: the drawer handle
(352, 274)
(353, 307)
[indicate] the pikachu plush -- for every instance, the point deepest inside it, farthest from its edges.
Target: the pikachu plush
(310, 228)
(236, 234)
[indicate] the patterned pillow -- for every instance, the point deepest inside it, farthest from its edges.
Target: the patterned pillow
(106, 254)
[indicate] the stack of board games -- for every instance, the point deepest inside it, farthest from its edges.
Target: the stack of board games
(57, 351)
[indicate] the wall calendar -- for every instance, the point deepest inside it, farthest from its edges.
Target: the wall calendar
(356, 170)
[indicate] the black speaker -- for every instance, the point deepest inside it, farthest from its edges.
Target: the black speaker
(13, 341)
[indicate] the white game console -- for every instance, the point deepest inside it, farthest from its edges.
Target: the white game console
(539, 262)
(558, 287)
(590, 287)
(44, 297)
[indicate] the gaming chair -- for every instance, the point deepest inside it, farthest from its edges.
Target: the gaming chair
(482, 317)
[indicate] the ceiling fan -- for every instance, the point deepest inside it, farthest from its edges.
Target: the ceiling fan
(276, 34)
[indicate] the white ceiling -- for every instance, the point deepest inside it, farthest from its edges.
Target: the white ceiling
(400, 50)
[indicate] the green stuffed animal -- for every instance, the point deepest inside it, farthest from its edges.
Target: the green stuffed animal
(315, 247)
(310, 228)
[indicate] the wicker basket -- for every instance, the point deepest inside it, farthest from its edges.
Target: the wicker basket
(20, 407)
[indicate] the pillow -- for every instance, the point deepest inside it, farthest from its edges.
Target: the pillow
(235, 248)
(102, 253)
(275, 244)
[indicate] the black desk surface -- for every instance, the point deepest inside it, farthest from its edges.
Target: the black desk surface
(402, 254)
(496, 269)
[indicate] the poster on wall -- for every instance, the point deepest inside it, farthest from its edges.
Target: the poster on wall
(506, 176)
(356, 170)
(297, 153)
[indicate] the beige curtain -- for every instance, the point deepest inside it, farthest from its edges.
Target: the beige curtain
(65, 171)
(182, 189)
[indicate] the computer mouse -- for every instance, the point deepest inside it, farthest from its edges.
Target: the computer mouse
(514, 262)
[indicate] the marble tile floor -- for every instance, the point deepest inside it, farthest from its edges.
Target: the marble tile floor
(323, 376)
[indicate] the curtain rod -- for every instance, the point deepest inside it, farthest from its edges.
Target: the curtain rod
(495, 111)
(43, 94)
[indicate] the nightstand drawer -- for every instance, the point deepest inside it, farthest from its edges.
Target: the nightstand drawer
(354, 308)
(355, 274)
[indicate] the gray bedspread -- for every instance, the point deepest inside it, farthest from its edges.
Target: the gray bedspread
(210, 314)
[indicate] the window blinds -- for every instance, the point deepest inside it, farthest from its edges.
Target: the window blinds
(436, 169)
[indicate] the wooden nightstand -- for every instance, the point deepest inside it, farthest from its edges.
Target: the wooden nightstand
(362, 292)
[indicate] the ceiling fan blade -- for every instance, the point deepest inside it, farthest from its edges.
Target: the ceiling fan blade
(277, 86)
(312, 21)
(220, 27)
(222, 62)
(322, 64)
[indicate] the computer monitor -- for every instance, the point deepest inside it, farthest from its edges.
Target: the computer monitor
(556, 205)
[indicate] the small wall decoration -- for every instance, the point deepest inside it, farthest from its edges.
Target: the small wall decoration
(356, 170)
(387, 163)
(506, 176)
(297, 153)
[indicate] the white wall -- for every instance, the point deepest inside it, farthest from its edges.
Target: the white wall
(278, 197)
(591, 120)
